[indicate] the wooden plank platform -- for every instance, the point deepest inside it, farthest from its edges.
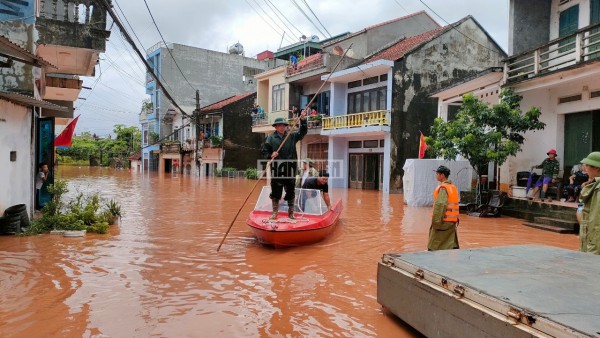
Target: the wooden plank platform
(512, 291)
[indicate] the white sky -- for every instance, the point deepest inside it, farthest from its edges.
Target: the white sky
(119, 85)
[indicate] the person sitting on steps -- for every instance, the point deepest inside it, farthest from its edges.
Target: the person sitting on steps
(550, 168)
(577, 178)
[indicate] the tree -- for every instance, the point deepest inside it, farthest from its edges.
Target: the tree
(482, 134)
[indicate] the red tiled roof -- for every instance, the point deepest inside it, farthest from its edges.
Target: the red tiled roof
(377, 25)
(136, 156)
(227, 101)
(398, 50)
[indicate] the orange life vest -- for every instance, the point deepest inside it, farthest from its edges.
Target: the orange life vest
(452, 212)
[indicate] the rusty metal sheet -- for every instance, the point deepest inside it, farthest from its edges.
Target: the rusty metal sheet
(548, 289)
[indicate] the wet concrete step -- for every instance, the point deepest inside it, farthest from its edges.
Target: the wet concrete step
(567, 224)
(549, 228)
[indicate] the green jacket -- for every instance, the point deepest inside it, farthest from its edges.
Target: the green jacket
(550, 167)
(288, 151)
(589, 226)
(442, 235)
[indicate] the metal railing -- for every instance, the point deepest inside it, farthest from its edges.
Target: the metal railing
(310, 62)
(582, 46)
(86, 12)
(372, 118)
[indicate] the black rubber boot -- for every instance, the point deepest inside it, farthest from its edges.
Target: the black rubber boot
(291, 210)
(542, 195)
(275, 209)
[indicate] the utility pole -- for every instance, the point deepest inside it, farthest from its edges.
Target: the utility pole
(196, 121)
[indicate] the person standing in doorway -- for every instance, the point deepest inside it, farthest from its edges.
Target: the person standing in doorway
(40, 179)
(444, 221)
(550, 168)
(283, 162)
(588, 212)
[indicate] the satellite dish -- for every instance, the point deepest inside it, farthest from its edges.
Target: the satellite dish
(339, 51)
(314, 38)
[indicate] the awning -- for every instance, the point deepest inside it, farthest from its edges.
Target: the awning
(13, 51)
(29, 101)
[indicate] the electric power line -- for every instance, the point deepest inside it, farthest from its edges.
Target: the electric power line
(268, 23)
(306, 16)
(316, 17)
(283, 15)
(168, 49)
(453, 27)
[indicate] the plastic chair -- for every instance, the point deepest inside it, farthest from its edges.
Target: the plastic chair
(492, 208)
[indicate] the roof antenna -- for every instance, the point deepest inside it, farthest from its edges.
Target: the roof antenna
(281, 43)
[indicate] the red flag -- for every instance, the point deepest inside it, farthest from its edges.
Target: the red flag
(65, 138)
(422, 146)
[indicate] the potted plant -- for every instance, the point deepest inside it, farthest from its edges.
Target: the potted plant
(115, 210)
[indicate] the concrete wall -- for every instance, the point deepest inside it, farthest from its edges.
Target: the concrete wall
(19, 77)
(16, 178)
(528, 24)
(217, 75)
(439, 63)
(553, 114)
(237, 130)
(375, 38)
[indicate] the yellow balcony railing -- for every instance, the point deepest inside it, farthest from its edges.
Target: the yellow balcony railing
(372, 118)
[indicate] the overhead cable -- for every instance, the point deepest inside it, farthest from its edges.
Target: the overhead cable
(168, 49)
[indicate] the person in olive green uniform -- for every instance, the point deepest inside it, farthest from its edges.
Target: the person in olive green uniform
(588, 213)
(550, 169)
(283, 162)
(305, 172)
(442, 233)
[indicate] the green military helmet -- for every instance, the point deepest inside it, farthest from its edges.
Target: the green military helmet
(280, 120)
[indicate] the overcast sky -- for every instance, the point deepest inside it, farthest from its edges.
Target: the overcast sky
(118, 88)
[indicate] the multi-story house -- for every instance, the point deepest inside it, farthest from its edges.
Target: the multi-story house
(303, 83)
(381, 105)
(63, 40)
(376, 106)
(554, 49)
(215, 75)
(232, 144)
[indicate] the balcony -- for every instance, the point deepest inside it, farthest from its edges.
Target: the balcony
(308, 63)
(559, 54)
(378, 118)
(71, 34)
(62, 88)
(170, 147)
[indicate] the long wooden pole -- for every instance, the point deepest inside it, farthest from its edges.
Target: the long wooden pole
(294, 122)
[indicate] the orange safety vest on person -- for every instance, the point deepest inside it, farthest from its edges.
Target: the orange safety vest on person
(452, 209)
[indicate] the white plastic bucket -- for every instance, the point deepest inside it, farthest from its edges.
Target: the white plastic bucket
(519, 192)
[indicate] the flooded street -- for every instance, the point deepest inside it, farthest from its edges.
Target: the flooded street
(158, 273)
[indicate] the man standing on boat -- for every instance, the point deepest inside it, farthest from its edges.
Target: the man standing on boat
(442, 233)
(283, 166)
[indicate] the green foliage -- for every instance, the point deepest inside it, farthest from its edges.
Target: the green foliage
(86, 147)
(114, 208)
(251, 174)
(83, 212)
(224, 172)
(481, 133)
(216, 140)
(153, 137)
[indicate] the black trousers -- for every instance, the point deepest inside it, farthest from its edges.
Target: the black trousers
(277, 186)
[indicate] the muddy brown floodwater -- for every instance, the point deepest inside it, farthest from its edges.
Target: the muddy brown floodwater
(158, 273)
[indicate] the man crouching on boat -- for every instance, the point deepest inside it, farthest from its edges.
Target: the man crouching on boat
(283, 166)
